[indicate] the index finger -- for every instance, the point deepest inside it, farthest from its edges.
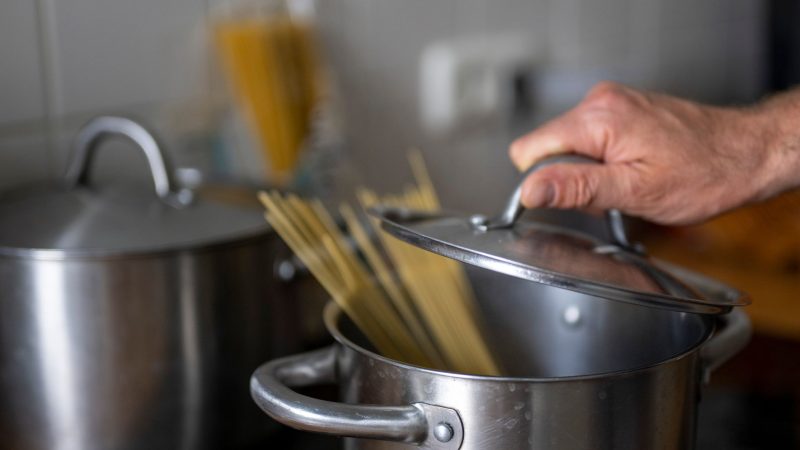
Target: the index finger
(569, 133)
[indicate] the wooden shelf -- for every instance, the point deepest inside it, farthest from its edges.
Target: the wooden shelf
(776, 295)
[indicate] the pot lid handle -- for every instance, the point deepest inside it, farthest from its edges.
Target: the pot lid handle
(99, 129)
(514, 207)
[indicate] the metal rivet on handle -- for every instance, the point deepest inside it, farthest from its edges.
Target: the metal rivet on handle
(286, 270)
(443, 432)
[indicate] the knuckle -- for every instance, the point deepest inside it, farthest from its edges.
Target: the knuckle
(604, 86)
(608, 95)
(576, 190)
(603, 126)
(583, 191)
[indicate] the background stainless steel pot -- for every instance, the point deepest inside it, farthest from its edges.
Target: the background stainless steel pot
(585, 373)
(132, 319)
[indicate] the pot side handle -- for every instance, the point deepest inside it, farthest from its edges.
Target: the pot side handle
(428, 426)
(728, 340)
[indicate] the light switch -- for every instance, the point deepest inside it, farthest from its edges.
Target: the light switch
(471, 79)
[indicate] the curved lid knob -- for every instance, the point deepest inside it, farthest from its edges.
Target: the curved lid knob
(98, 130)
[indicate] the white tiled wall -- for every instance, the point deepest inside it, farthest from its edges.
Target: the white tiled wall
(62, 61)
(112, 53)
(23, 158)
(21, 97)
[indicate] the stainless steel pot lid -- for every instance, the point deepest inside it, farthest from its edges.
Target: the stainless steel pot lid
(616, 270)
(76, 219)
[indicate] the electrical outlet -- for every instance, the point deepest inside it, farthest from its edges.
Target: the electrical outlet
(473, 78)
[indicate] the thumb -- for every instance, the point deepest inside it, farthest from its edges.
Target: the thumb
(575, 186)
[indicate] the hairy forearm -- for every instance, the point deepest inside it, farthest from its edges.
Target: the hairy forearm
(775, 122)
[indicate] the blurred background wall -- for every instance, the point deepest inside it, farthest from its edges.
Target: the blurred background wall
(65, 61)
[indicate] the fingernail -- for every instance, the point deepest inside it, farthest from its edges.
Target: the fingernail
(519, 162)
(524, 164)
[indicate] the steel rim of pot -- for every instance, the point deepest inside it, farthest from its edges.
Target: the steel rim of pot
(39, 254)
(332, 314)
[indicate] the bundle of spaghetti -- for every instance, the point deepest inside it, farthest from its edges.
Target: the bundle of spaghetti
(314, 237)
(411, 304)
(438, 287)
(272, 65)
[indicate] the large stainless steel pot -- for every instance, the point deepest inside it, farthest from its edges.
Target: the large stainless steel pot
(131, 319)
(586, 374)
(604, 347)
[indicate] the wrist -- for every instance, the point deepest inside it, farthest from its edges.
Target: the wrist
(774, 127)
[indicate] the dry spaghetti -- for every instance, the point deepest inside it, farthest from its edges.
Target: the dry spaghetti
(411, 304)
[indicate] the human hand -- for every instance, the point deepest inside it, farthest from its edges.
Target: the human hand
(665, 159)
